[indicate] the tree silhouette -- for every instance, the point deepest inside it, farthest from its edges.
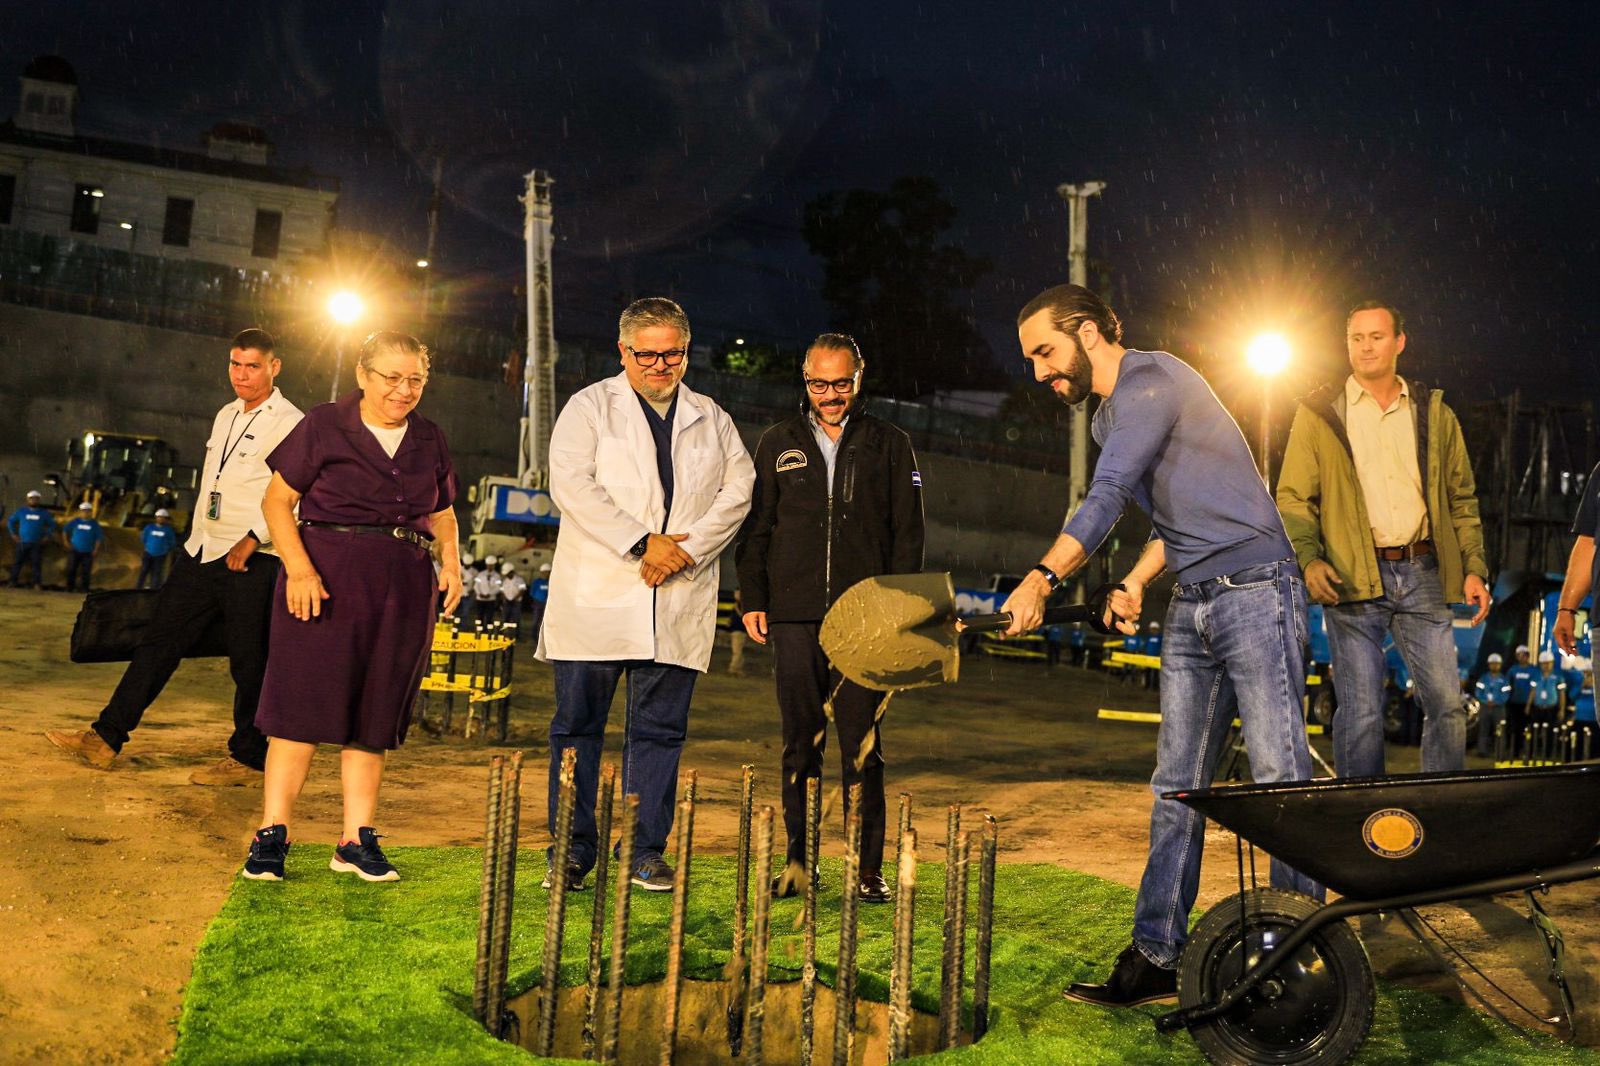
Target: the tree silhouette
(899, 291)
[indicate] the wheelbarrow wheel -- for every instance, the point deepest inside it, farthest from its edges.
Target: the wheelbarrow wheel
(1315, 1008)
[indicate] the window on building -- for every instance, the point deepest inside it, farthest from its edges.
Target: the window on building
(8, 193)
(269, 225)
(180, 217)
(34, 104)
(57, 105)
(86, 208)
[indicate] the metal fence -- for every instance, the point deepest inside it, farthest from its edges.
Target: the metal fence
(37, 270)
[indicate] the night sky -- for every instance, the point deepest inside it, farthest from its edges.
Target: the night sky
(1269, 163)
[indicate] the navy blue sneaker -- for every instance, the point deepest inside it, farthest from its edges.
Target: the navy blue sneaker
(267, 852)
(653, 875)
(365, 859)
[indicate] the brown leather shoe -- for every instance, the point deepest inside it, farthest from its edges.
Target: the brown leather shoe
(225, 772)
(86, 745)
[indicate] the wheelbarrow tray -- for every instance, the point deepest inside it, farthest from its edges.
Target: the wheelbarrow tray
(1376, 837)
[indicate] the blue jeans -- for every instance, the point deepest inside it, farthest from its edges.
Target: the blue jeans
(1413, 609)
(657, 721)
(1233, 645)
(29, 555)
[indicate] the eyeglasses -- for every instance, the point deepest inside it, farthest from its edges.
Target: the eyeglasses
(394, 381)
(649, 359)
(819, 386)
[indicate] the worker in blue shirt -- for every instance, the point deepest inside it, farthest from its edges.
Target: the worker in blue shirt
(539, 595)
(30, 526)
(1493, 691)
(82, 537)
(1583, 703)
(1522, 673)
(159, 538)
(1547, 698)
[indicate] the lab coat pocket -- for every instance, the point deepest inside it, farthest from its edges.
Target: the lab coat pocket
(606, 580)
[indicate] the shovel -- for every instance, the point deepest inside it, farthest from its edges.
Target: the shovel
(901, 630)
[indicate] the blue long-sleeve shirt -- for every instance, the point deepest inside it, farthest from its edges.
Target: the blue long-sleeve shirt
(1167, 444)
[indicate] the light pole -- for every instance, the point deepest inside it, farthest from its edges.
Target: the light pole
(1267, 355)
(345, 308)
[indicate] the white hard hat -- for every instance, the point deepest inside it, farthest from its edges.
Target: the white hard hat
(1495, 658)
(466, 559)
(544, 568)
(489, 560)
(1546, 657)
(35, 494)
(162, 512)
(1522, 649)
(507, 569)
(86, 506)
(1155, 627)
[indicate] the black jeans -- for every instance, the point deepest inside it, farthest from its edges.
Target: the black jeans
(152, 570)
(805, 681)
(79, 564)
(29, 555)
(196, 597)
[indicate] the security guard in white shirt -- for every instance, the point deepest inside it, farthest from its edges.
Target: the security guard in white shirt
(224, 576)
(486, 591)
(512, 589)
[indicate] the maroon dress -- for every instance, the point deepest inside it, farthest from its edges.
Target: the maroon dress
(351, 675)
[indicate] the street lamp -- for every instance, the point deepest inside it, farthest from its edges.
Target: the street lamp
(1267, 355)
(345, 308)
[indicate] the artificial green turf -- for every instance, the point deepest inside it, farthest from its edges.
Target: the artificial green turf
(325, 968)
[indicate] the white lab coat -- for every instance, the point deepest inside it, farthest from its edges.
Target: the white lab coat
(603, 478)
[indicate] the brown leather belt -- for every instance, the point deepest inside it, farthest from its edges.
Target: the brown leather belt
(410, 536)
(1406, 551)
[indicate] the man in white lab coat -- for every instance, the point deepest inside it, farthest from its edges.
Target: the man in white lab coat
(653, 482)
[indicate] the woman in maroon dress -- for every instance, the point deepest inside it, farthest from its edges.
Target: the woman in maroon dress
(353, 619)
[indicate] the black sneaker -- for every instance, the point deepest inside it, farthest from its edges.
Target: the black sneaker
(267, 852)
(653, 875)
(873, 889)
(1134, 980)
(575, 876)
(365, 859)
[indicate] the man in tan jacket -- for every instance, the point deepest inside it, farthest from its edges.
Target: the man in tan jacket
(1378, 500)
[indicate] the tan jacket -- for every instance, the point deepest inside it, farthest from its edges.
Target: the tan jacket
(1325, 514)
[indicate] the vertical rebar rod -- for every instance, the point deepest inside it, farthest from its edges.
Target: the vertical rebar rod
(905, 901)
(741, 907)
(844, 985)
(486, 890)
(985, 945)
(753, 1050)
(903, 825)
(555, 915)
(615, 976)
(1527, 744)
(604, 799)
(680, 913)
(949, 983)
(1499, 742)
(952, 1031)
(808, 920)
(505, 890)
(1588, 743)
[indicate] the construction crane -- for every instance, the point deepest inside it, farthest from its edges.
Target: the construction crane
(514, 518)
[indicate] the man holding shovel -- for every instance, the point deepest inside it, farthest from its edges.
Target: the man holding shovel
(1235, 631)
(837, 499)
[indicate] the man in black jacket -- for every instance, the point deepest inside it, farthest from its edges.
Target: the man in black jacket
(838, 498)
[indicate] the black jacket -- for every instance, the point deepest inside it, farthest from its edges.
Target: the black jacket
(800, 548)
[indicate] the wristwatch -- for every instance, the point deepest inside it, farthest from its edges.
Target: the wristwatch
(1049, 575)
(637, 551)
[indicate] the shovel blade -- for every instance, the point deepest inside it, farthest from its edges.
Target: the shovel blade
(894, 632)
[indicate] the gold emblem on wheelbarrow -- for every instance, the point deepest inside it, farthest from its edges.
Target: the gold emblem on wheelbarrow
(1392, 833)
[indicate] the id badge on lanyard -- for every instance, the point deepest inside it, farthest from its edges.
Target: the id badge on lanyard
(214, 506)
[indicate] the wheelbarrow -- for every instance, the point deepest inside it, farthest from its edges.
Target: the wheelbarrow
(1270, 976)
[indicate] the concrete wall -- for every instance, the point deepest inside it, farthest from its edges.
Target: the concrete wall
(62, 374)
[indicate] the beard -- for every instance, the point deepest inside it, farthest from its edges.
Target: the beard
(832, 410)
(1079, 377)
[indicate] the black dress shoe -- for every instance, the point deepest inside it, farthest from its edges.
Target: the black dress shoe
(873, 889)
(790, 883)
(1134, 980)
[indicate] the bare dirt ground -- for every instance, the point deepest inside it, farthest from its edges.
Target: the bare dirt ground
(108, 879)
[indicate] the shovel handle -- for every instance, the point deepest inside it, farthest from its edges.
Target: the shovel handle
(1054, 616)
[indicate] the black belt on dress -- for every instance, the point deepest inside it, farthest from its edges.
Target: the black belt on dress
(410, 536)
(1406, 551)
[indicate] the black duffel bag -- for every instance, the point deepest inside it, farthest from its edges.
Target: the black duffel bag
(111, 625)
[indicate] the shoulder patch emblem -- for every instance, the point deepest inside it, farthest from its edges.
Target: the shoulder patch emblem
(916, 480)
(793, 459)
